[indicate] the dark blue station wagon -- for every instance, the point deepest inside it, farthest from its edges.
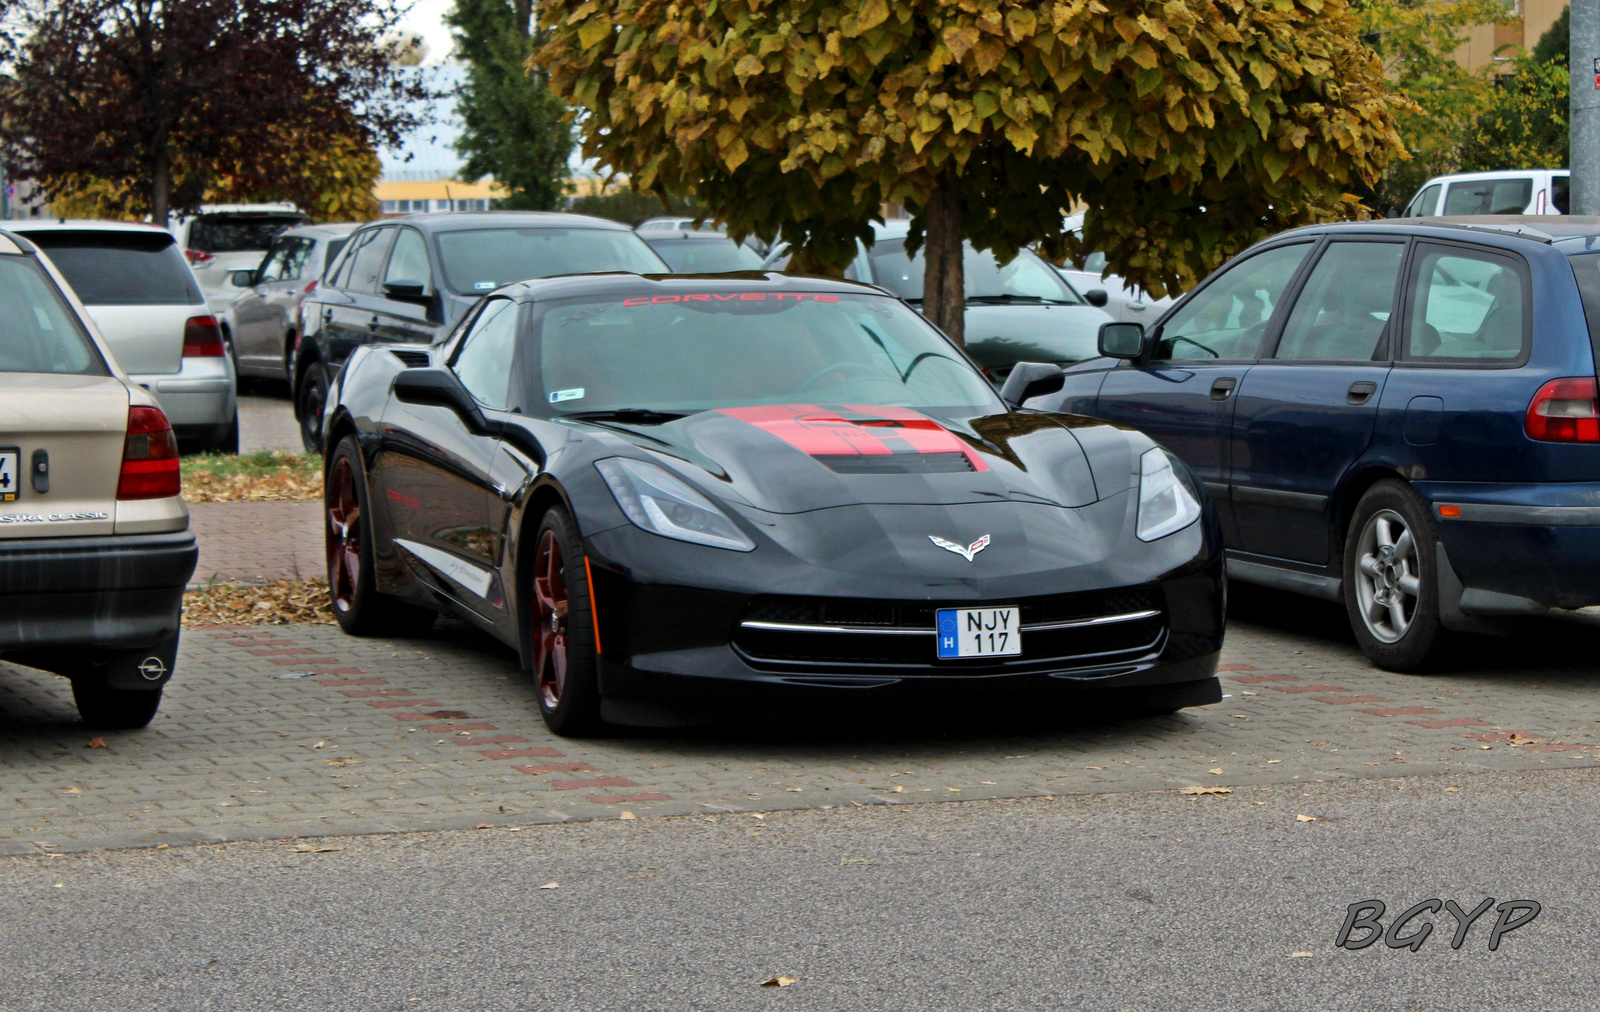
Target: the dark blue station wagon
(1399, 415)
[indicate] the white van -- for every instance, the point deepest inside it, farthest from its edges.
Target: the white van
(1515, 191)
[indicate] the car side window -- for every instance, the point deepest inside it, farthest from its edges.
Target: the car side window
(409, 261)
(366, 261)
(484, 362)
(1228, 318)
(1488, 196)
(1424, 203)
(340, 277)
(1469, 306)
(294, 259)
(1342, 313)
(274, 265)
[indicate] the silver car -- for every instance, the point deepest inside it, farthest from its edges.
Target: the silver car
(262, 325)
(225, 237)
(1126, 302)
(136, 286)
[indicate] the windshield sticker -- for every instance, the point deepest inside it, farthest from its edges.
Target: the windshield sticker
(661, 300)
(571, 394)
(847, 429)
(483, 286)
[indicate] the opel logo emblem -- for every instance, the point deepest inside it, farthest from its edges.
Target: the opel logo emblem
(153, 669)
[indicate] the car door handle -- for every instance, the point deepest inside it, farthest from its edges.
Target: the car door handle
(327, 314)
(374, 321)
(1360, 391)
(1223, 387)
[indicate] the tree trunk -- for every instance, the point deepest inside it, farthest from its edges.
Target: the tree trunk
(160, 189)
(943, 284)
(524, 16)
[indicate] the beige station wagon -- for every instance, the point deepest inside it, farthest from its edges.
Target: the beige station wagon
(95, 546)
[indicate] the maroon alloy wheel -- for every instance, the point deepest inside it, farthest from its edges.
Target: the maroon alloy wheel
(343, 536)
(550, 619)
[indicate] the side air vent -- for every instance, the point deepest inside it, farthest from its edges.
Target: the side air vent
(896, 463)
(412, 359)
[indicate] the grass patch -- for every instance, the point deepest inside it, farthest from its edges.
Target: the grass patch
(278, 602)
(268, 476)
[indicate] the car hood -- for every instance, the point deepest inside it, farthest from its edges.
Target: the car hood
(796, 458)
(998, 337)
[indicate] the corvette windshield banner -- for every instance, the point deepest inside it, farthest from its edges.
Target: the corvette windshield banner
(844, 429)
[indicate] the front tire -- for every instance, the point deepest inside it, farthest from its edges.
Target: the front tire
(1391, 581)
(310, 400)
(565, 661)
(357, 603)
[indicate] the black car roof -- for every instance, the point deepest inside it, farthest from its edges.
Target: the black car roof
(574, 285)
(1570, 233)
(458, 221)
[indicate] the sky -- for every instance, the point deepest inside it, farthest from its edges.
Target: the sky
(426, 18)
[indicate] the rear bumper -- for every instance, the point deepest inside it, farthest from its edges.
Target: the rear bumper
(197, 399)
(1539, 543)
(115, 591)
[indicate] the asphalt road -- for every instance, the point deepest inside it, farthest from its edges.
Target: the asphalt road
(266, 420)
(1134, 901)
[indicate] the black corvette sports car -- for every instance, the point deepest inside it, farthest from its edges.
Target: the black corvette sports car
(672, 491)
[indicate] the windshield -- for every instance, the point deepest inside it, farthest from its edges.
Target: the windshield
(121, 268)
(481, 260)
(693, 352)
(41, 333)
(1026, 278)
(227, 234)
(706, 256)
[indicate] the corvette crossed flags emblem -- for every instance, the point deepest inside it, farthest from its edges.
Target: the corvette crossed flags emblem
(967, 552)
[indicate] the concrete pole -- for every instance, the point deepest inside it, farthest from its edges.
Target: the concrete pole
(1584, 154)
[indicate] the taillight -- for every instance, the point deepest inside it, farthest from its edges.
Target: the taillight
(1565, 411)
(199, 257)
(149, 457)
(202, 337)
(311, 288)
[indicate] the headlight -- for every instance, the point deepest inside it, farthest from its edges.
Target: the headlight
(664, 505)
(1165, 502)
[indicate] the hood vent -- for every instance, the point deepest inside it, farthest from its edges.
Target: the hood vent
(897, 463)
(412, 359)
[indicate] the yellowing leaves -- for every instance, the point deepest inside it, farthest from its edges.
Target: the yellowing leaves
(592, 31)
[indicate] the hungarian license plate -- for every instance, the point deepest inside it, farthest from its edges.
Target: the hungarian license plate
(978, 632)
(10, 465)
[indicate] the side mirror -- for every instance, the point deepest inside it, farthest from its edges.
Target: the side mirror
(244, 277)
(440, 387)
(407, 290)
(1121, 340)
(1096, 297)
(1032, 379)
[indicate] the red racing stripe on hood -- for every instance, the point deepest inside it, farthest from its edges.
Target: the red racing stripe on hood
(823, 430)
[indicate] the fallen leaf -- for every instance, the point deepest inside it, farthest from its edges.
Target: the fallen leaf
(483, 825)
(319, 744)
(1486, 746)
(551, 885)
(778, 982)
(627, 817)
(793, 790)
(313, 848)
(905, 772)
(1249, 693)
(991, 783)
(1307, 818)
(1216, 770)
(1197, 789)
(955, 789)
(898, 789)
(1301, 954)
(96, 743)
(163, 846)
(1271, 761)
(758, 815)
(1094, 767)
(342, 760)
(1452, 790)
(1520, 739)
(1244, 715)
(59, 885)
(74, 790)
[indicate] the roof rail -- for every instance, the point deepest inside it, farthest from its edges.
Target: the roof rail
(1515, 228)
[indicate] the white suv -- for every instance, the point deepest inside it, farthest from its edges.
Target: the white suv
(1516, 191)
(144, 299)
(225, 237)
(95, 546)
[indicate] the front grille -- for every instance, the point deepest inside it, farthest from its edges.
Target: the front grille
(896, 463)
(1062, 631)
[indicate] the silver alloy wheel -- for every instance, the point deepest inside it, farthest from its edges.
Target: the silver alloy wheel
(1388, 577)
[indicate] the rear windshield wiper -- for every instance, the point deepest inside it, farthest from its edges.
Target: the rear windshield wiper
(638, 416)
(1035, 300)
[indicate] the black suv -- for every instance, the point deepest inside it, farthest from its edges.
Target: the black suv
(409, 280)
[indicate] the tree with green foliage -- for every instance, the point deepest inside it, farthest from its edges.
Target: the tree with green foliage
(515, 129)
(1523, 123)
(1191, 128)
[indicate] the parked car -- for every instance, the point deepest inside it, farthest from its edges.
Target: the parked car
(143, 297)
(262, 325)
(648, 464)
(409, 280)
(1518, 191)
(701, 252)
(1397, 416)
(678, 223)
(224, 237)
(1020, 312)
(95, 548)
(1124, 301)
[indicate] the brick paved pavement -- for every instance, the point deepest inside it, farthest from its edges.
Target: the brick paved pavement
(443, 732)
(248, 542)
